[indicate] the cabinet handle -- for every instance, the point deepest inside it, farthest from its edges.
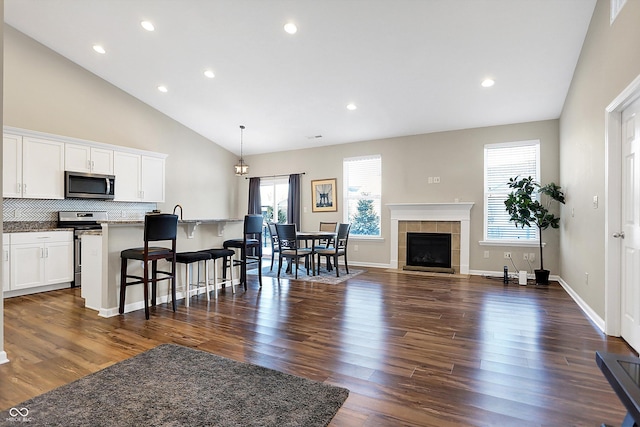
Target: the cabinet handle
(46, 252)
(6, 255)
(24, 188)
(93, 165)
(41, 252)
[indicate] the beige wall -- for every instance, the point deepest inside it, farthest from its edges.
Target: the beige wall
(608, 63)
(48, 93)
(1, 91)
(456, 157)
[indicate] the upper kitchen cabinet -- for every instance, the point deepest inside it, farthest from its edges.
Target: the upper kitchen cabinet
(139, 178)
(12, 166)
(33, 168)
(83, 158)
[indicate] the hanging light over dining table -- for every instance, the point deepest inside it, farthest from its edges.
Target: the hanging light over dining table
(241, 168)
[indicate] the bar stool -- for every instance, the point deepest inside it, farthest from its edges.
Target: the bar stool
(157, 227)
(250, 246)
(226, 255)
(188, 258)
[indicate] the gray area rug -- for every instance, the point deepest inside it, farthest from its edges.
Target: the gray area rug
(172, 385)
(328, 277)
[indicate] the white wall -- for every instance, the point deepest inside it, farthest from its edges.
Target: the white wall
(457, 157)
(48, 93)
(608, 63)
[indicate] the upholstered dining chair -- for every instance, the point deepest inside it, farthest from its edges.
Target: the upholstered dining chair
(338, 249)
(326, 226)
(157, 227)
(275, 244)
(250, 246)
(290, 248)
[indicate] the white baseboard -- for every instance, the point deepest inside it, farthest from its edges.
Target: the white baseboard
(3, 357)
(599, 321)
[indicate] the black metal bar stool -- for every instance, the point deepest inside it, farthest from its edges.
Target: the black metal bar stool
(250, 247)
(157, 227)
(226, 255)
(188, 258)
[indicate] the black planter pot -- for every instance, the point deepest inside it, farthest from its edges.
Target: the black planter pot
(542, 277)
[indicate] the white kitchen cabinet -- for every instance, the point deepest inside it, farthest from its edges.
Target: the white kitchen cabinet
(138, 178)
(152, 179)
(32, 168)
(83, 158)
(40, 258)
(12, 166)
(5, 263)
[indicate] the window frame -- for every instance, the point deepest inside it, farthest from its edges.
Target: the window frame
(493, 241)
(346, 197)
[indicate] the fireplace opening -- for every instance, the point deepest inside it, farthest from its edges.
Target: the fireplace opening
(429, 252)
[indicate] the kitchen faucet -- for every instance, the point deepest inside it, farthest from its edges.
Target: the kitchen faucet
(174, 210)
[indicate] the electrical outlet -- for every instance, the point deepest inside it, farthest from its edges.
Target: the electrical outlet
(525, 256)
(532, 256)
(430, 180)
(486, 254)
(436, 180)
(507, 255)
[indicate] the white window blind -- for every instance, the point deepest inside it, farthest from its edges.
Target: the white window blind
(363, 194)
(502, 162)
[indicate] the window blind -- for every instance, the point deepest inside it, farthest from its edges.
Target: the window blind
(363, 182)
(502, 162)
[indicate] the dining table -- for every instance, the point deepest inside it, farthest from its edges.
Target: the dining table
(313, 237)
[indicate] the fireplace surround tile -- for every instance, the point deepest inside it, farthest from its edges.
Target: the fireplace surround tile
(455, 218)
(445, 227)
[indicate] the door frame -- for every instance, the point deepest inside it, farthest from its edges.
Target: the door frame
(613, 206)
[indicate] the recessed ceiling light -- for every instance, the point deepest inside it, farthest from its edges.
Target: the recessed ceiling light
(99, 49)
(147, 25)
(209, 73)
(488, 82)
(290, 28)
(351, 107)
(163, 89)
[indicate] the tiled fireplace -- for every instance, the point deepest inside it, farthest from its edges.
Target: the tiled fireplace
(453, 218)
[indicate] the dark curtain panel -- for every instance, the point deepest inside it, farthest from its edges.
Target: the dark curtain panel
(293, 209)
(254, 196)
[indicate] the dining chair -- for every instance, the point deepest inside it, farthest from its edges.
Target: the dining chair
(290, 248)
(338, 249)
(326, 226)
(157, 227)
(275, 244)
(250, 246)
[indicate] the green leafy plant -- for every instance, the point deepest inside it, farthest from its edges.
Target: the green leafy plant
(526, 209)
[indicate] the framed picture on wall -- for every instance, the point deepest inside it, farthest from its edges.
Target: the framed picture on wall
(323, 195)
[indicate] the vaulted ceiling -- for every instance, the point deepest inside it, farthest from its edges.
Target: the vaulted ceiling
(408, 66)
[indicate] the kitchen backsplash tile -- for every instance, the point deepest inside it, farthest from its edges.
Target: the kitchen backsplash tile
(47, 210)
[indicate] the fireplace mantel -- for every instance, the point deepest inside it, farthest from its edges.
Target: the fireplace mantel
(460, 211)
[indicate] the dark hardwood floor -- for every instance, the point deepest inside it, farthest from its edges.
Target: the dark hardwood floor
(413, 350)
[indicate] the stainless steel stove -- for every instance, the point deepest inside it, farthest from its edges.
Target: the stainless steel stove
(80, 221)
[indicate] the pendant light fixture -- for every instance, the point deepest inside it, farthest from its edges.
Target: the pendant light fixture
(241, 168)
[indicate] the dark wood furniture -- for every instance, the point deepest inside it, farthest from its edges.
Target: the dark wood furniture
(157, 227)
(338, 249)
(623, 373)
(290, 248)
(250, 246)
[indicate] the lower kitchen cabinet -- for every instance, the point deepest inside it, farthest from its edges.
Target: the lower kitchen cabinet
(40, 259)
(5, 262)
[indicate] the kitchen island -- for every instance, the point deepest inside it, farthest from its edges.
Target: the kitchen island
(101, 258)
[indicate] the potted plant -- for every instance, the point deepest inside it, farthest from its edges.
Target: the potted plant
(525, 209)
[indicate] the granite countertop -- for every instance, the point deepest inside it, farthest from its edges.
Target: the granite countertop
(31, 226)
(181, 221)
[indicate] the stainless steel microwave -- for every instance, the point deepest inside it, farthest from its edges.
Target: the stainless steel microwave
(79, 185)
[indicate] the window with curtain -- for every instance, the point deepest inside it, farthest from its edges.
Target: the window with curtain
(362, 194)
(502, 162)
